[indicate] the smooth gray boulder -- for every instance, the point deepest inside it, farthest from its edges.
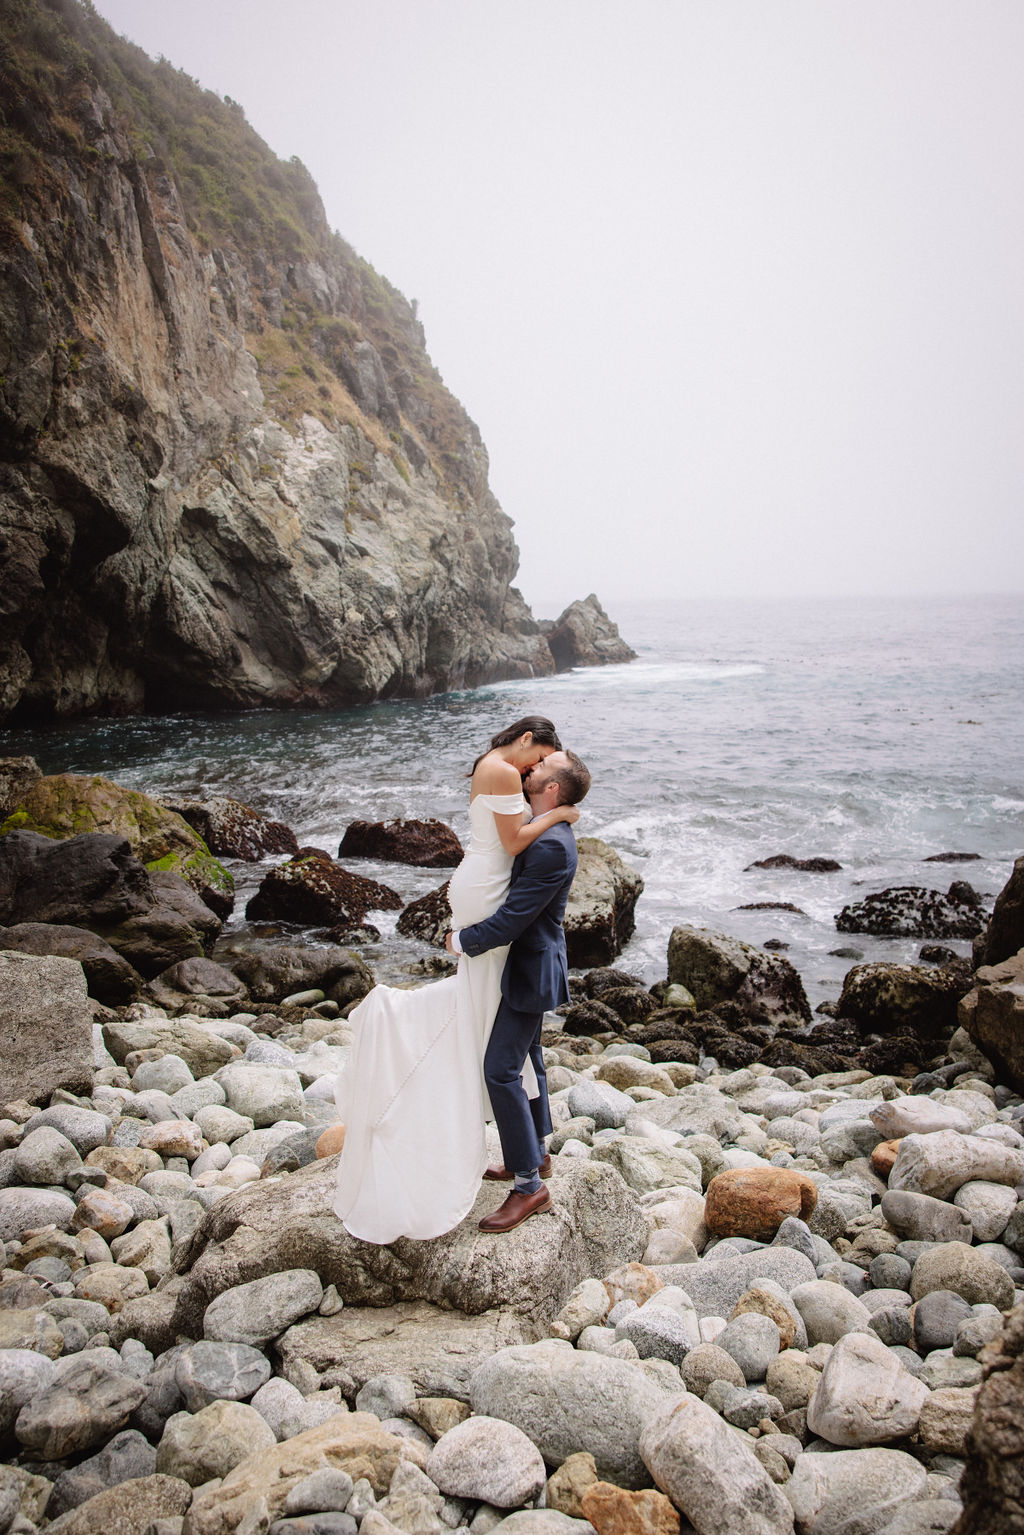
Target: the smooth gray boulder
(567, 1401)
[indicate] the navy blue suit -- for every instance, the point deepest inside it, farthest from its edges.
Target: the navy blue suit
(535, 978)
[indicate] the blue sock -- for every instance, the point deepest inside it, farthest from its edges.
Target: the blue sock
(527, 1183)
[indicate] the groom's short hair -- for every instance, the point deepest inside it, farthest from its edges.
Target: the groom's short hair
(573, 781)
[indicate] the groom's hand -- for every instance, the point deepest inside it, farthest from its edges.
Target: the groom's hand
(448, 943)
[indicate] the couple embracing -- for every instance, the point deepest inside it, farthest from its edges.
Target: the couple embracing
(428, 1067)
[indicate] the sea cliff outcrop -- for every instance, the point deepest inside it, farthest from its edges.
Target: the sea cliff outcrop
(230, 475)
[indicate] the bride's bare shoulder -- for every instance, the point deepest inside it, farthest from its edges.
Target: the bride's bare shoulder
(496, 776)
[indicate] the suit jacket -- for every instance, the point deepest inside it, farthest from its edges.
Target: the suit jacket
(536, 974)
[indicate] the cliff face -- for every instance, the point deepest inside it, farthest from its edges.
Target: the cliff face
(229, 474)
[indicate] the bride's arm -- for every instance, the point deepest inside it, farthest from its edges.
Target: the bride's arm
(516, 835)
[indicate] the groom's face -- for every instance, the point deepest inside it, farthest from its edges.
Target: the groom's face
(538, 778)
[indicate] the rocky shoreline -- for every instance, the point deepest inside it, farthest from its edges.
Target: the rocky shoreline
(780, 1288)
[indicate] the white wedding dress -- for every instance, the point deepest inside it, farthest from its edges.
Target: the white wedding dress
(412, 1093)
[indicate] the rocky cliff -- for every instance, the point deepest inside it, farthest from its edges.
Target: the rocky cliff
(230, 475)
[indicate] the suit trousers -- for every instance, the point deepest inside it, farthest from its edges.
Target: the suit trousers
(522, 1122)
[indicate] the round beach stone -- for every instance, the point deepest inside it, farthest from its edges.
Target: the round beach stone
(84, 1128)
(173, 1138)
(326, 1491)
(888, 1271)
(110, 1284)
(754, 1201)
(264, 1094)
(920, 1218)
(942, 1162)
(86, 1405)
(211, 1442)
(387, 1396)
(710, 1474)
(278, 1402)
(632, 1281)
(752, 1339)
(857, 1490)
(829, 1311)
(567, 1400)
(219, 1123)
(210, 1371)
(168, 1075)
(599, 1101)
(25, 1209)
(101, 1211)
(865, 1396)
(906, 1115)
(706, 1363)
(261, 1309)
(45, 1156)
(487, 1459)
(955, 1266)
(658, 1333)
(645, 1165)
(587, 1306)
(29, 1328)
(937, 1317)
(792, 1379)
(988, 1206)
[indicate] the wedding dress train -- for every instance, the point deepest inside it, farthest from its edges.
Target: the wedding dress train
(412, 1093)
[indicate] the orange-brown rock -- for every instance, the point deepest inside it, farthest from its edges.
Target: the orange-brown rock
(769, 1305)
(331, 1141)
(883, 1157)
(567, 1485)
(614, 1511)
(633, 1281)
(754, 1201)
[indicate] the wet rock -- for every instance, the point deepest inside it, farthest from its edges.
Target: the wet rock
(428, 844)
(1004, 935)
(271, 974)
(311, 889)
(232, 829)
(802, 865)
(993, 1014)
(884, 998)
(599, 917)
(909, 911)
(716, 968)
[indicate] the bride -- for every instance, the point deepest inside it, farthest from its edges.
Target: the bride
(412, 1094)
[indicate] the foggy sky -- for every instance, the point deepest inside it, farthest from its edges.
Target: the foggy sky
(733, 288)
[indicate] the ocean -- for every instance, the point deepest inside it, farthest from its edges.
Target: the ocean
(875, 732)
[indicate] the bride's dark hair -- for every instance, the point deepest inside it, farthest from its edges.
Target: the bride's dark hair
(542, 730)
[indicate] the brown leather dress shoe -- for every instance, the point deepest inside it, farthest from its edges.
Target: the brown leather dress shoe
(516, 1209)
(502, 1174)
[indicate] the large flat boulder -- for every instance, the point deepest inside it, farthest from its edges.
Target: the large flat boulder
(289, 1222)
(45, 1026)
(437, 1348)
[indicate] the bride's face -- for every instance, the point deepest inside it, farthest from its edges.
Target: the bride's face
(533, 756)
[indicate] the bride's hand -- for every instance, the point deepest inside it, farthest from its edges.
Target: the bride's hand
(568, 813)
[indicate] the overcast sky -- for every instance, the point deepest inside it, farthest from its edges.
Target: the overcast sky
(733, 288)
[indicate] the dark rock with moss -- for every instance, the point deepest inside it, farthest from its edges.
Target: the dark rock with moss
(909, 911)
(312, 890)
(1004, 935)
(109, 977)
(717, 968)
(232, 829)
(69, 804)
(17, 775)
(427, 918)
(886, 999)
(428, 844)
(277, 971)
(94, 881)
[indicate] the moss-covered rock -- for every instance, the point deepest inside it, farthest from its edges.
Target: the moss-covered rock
(69, 804)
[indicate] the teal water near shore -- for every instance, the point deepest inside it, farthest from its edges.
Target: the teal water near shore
(876, 732)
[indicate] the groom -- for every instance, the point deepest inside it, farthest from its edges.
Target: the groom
(535, 979)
